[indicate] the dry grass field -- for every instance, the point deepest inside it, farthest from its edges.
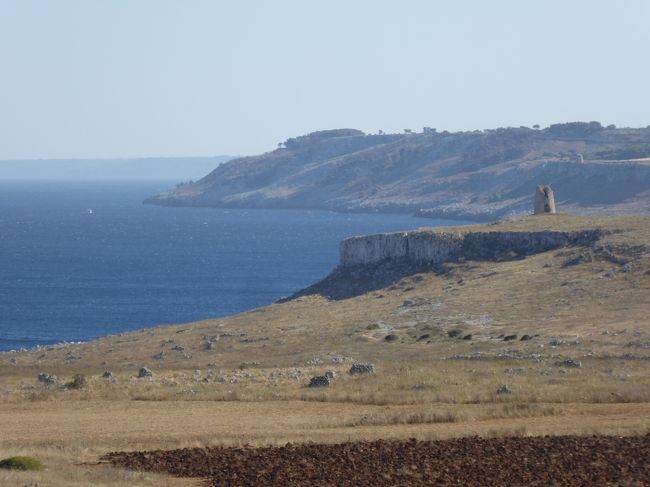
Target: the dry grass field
(583, 366)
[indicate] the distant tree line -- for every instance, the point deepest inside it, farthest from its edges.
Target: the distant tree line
(574, 129)
(320, 135)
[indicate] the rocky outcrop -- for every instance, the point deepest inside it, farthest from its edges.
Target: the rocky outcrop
(417, 247)
(319, 381)
(434, 248)
(376, 261)
(362, 369)
(144, 372)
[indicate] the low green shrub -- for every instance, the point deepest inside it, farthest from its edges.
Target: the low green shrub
(454, 333)
(21, 463)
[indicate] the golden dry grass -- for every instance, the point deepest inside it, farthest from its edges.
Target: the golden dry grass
(252, 386)
(68, 436)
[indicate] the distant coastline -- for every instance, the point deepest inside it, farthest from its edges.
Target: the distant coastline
(478, 175)
(174, 169)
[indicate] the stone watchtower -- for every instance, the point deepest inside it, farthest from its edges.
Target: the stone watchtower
(544, 200)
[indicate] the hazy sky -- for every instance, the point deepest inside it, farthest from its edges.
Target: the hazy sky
(125, 78)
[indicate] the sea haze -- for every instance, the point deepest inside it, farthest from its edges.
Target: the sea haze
(81, 260)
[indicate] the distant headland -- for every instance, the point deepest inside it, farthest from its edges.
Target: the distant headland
(479, 175)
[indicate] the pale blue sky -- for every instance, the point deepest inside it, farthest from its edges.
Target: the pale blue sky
(125, 78)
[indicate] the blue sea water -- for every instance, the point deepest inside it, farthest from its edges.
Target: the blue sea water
(69, 274)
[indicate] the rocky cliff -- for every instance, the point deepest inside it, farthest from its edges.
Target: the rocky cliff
(376, 261)
(431, 248)
(475, 175)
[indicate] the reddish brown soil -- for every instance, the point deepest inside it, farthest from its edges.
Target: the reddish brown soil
(542, 461)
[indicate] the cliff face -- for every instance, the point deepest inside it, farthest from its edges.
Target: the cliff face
(435, 248)
(415, 247)
(475, 175)
(377, 261)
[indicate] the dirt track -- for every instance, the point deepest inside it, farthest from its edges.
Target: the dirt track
(562, 460)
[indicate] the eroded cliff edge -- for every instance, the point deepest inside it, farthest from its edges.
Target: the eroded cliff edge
(429, 248)
(376, 261)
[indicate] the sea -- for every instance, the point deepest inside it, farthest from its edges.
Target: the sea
(80, 260)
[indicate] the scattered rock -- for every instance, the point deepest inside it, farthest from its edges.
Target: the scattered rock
(569, 363)
(107, 374)
(504, 389)
(247, 365)
(178, 348)
(391, 338)
(508, 338)
(319, 381)
(582, 258)
(560, 343)
(362, 369)
(196, 375)
(47, 379)
(467, 337)
(144, 372)
(525, 338)
(515, 370)
(160, 356)
(337, 359)
(209, 345)
(330, 374)
(423, 337)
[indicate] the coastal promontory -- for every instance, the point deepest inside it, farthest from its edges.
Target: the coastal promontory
(478, 175)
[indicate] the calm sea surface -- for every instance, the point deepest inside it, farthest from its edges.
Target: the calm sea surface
(68, 273)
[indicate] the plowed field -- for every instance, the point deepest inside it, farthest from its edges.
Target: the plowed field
(542, 461)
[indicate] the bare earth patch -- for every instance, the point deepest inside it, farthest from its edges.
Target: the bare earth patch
(541, 461)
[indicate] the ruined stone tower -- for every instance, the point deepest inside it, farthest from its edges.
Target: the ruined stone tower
(544, 200)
